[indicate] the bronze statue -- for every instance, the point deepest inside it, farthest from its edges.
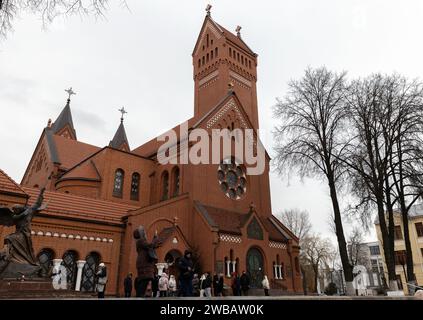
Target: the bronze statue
(17, 259)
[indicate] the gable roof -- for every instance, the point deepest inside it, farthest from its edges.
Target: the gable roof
(86, 170)
(229, 221)
(217, 29)
(151, 147)
(69, 152)
(8, 185)
(69, 206)
(64, 119)
(120, 138)
(237, 40)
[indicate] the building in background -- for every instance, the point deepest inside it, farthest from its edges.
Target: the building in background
(415, 225)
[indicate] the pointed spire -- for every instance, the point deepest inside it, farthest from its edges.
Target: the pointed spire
(120, 141)
(64, 123)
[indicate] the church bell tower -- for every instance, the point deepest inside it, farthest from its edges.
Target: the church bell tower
(221, 58)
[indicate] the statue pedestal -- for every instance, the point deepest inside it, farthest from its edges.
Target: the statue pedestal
(14, 270)
(33, 288)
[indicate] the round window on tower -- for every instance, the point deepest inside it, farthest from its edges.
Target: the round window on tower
(232, 179)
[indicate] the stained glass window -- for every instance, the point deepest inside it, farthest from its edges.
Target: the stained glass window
(232, 178)
(175, 182)
(254, 230)
(135, 185)
(69, 262)
(45, 258)
(165, 186)
(118, 183)
(88, 273)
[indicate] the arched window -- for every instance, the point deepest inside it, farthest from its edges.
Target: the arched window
(118, 183)
(175, 179)
(45, 258)
(88, 273)
(69, 262)
(135, 186)
(165, 186)
(216, 52)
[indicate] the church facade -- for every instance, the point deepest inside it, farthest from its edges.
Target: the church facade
(97, 196)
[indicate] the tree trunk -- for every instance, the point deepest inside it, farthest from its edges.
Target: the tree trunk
(409, 255)
(342, 244)
(304, 280)
(316, 276)
(387, 241)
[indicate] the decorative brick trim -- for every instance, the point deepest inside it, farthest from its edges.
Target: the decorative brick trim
(230, 105)
(230, 238)
(208, 77)
(277, 245)
(70, 236)
(240, 79)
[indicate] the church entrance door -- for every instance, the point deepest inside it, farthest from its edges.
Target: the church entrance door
(255, 267)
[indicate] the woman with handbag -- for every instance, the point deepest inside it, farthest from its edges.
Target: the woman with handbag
(101, 280)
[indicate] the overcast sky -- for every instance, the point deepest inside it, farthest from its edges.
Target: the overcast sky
(141, 59)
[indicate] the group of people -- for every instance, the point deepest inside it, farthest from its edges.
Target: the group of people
(189, 284)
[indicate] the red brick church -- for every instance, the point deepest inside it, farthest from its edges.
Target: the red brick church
(97, 195)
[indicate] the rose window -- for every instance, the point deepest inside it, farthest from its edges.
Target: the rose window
(232, 179)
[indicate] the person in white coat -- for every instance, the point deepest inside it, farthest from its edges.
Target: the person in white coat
(101, 280)
(266, 285)
(172, 286)
(163, 284)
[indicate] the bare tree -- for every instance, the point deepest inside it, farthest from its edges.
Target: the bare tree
(316, 252)
(47, 10)
(406, 159)
(298, 221)
(310, 139)
(384, 154)
(356, 248)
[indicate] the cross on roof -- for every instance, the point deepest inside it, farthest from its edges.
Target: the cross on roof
(70, 92)
(122, 111)
(238, 30)
(208, 8)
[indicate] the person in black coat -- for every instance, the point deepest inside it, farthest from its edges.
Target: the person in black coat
(220, 286)
(127, 285)
(186, 272)
(245, 283)
(155, 285)
(215, 284)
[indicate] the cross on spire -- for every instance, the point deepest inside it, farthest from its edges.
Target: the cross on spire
(70, 92)
(123, 112)
(208, 9)
(238, 31)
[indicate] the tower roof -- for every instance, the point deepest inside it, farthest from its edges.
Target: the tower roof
(64, 120)
(120, 141)
(218, 29)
